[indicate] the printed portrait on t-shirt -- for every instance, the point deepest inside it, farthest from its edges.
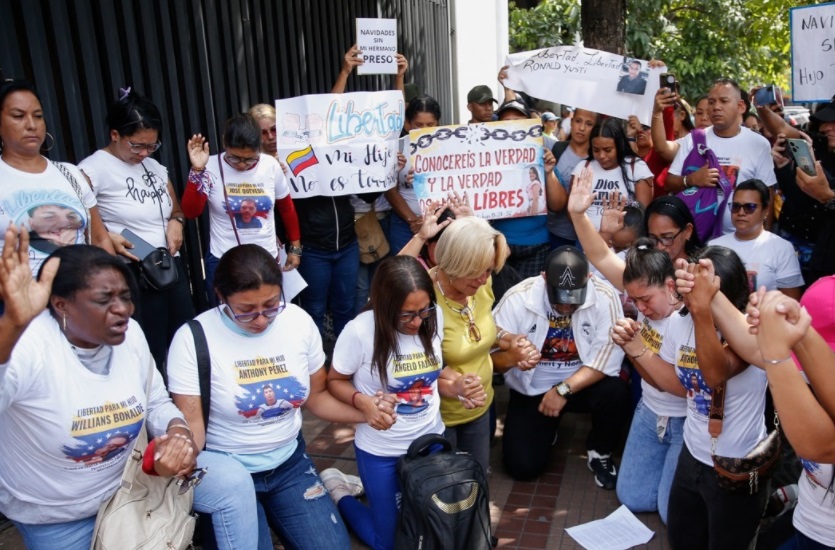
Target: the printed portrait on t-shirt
(559, 345)
(698, 392)
(414, 376)
(266, 389)
(101, 433)
(54, 219)
(249, 205)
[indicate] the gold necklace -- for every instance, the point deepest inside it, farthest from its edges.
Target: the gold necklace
(467, 313)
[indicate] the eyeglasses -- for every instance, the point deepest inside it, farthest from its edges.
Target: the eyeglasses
(748, 207)
(269, 131)
(249, 163)
(473, 333)
(406, 318)
(666, 241)
(269, 313)
(137, 148)
(191, 481)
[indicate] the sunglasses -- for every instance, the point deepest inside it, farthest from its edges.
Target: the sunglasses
(191, 481)
(473, 332)
(269, 131)
(249, 163)
(137, 148)
(748, 207)
(406, 318)
(269, 313)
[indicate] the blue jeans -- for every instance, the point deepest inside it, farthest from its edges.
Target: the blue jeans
(226, 493)
(473, 437)
(376, 523)
(210, 265)
(297, 505)
(399, 234)
(799, 541)
(331, 278)
(649, 463)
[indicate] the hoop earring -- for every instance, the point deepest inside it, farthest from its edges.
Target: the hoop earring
(51, 145)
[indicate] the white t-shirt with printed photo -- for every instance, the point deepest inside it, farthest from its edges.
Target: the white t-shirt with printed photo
(660, 402)
(606, 182)
(48, 205)
(770, 260)
(411, 375)
(744, 425)
(745, 156)
(258, 382)
(252, 194)
(129, 197)
(815, 512)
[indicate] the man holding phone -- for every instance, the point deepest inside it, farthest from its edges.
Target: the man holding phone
(742, 154)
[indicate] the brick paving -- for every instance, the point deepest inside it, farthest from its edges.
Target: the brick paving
(525, 515)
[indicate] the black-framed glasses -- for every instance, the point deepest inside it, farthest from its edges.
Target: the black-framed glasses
(137, 148)
(666, 241)
(271, 131)
(269, 313)
(747, 207)
(473, 332)
(192, 480)
(406, 318)
(248, 162)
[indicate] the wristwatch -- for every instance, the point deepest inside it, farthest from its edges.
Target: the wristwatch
(180, 219)
(295, 250)
(830, 204)
(563, 389)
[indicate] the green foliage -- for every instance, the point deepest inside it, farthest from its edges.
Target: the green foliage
(699, 40)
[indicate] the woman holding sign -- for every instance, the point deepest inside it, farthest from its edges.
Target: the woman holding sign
(242, 187)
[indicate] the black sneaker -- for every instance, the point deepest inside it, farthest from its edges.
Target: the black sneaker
(605, 472)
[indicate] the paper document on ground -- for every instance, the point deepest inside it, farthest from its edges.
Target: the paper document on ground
(618, 531)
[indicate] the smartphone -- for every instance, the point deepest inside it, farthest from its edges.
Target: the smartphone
(668, 80)
(769, 95)
(802, 154)
(141, 247)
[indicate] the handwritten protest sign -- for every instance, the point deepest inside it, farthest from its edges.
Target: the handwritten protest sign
(498, 165)
(377, 40)
(339, 144)
(589, 79)
(813, 52)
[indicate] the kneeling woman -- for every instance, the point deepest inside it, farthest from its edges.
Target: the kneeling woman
(266, 362)
(401, 365)
(59, 369)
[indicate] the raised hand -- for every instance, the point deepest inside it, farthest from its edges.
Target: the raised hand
(198, 152)
(581, 197)
(613, 213)
(778, 333)
(459, 206)
(402, 64)
(706, 285)
(430, 226)
(23, 296)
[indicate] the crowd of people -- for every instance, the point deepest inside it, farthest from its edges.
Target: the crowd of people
(702, 325)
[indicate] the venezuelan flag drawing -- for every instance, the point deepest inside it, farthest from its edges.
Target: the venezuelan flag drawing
(299, 160)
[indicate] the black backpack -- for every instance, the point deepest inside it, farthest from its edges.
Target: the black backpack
(445, 503)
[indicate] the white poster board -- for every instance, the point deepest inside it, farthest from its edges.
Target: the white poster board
(497, 165)
(339, 144)
(813, 52)
(589, 79)
(377, 40)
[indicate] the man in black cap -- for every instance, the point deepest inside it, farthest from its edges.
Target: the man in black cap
(568, 315)
(480, 102)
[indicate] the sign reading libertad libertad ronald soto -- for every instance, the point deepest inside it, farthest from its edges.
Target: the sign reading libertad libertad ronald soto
(498, 165)
(339, 144)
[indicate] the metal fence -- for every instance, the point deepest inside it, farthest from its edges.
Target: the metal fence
(201, 61)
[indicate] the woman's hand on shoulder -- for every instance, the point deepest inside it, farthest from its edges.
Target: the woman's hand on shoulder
(24, 297)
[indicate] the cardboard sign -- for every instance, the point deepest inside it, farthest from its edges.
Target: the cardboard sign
(813, 52)
(377, 40)
(589, 79)
(340, 144)
(498, 165)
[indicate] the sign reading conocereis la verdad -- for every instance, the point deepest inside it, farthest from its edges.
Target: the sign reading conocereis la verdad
(377, 40)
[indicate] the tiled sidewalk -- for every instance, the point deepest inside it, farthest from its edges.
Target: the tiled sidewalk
(524, 515)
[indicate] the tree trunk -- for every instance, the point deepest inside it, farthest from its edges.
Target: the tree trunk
(604, 25)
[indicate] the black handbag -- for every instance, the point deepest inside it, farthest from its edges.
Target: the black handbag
(158, 270)
(739, 474)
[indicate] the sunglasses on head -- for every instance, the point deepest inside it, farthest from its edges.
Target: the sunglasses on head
(748, 207)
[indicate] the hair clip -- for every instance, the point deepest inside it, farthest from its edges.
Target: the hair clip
(125, 93)
(642, 247)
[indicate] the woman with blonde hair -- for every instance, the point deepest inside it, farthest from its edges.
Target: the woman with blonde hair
(264, 115)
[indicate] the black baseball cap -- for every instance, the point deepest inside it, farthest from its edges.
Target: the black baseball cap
(567, 276)
(825, 113)
(481, 94)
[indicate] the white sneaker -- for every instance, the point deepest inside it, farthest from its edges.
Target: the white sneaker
(340, 485)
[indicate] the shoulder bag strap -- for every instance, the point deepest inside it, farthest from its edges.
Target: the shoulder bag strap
(226, 199)
(77, 188)
(717, 414)
(158, 199)
(204, 370)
